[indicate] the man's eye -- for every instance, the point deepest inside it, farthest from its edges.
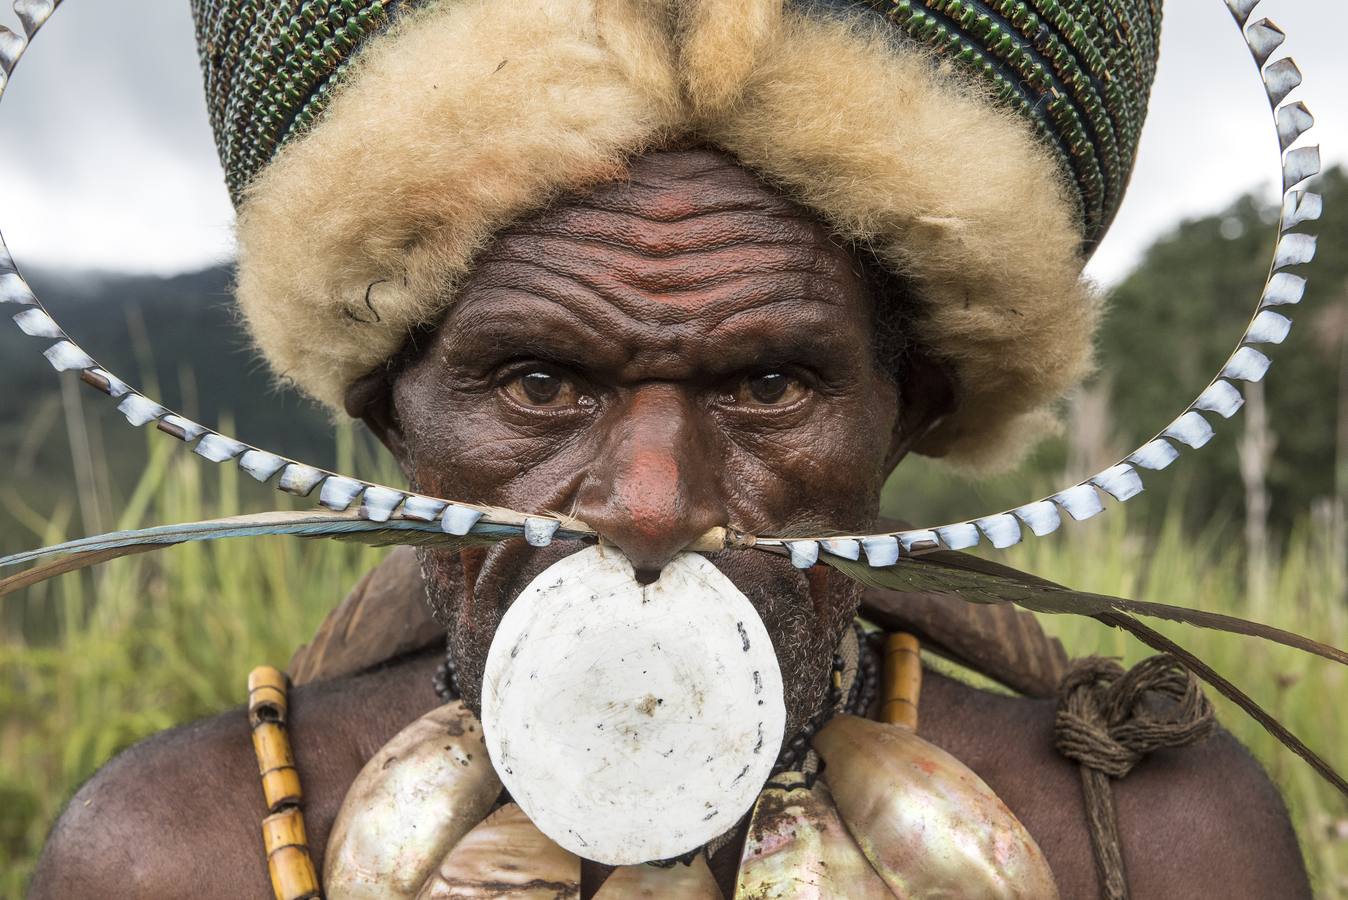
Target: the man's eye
(544, 389)
(769, 389)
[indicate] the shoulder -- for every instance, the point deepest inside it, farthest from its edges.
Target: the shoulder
(1202, 820)
(183, 810)
(136, 828)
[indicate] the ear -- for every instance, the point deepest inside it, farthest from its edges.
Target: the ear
(370, 399)
(926, 397)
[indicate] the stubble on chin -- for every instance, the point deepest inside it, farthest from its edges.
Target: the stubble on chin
(805, 617)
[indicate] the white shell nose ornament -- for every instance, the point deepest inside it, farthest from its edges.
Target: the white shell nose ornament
(632, 722)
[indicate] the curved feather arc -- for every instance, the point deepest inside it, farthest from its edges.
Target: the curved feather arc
(1083, 500)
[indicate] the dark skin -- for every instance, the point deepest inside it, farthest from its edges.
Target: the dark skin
(676, 352)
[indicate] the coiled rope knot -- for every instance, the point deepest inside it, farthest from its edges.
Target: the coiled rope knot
(1108, 720)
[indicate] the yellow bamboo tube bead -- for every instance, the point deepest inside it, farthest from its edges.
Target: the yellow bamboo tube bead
(267, 708)
(902, 681)
(292, 874)
(281, 788)
(284, 829)
(289, 865)
(267, 688)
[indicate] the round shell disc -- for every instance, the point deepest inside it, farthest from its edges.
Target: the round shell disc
(632, 723)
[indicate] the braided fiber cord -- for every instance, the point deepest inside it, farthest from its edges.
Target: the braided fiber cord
(1108, 721)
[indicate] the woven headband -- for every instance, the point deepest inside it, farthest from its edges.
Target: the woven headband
(1079, 70)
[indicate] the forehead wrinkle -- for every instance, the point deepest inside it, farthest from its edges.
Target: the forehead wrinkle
(608, 304)
(659, 191)
(679, 202)
(588, 329)
(615, 270)
(654, 238)
(683, 283)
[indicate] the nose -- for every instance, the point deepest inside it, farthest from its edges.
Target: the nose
(652, 490)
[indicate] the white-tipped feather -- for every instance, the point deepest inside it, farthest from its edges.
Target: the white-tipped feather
(1268, 327)
(299, 479)
(1294, 250)
(1001, 530)
(1190, 429)
(1300, 207)
(1246, 364)
(844, 547)
(1280, 79)
(378, 503)
(66, 357)
(1293, 120)
(263, 465)
(1082, 501)
(1120, 482)
(140, 410)
(218, 448)
(881, 550)
(1155, 455)
(1264, 37)
(1298, 165)
(35, 322)
(803, 553)
(959, 536)
(1220, 397)
(1042, 517)
(1284, 289)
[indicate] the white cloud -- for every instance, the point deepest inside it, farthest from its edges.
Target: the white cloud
(106, 155)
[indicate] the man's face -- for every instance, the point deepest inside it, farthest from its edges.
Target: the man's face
(681, 350)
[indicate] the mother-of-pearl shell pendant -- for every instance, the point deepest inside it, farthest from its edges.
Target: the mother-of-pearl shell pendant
(927, 824)
(632, 722)
(411, 803)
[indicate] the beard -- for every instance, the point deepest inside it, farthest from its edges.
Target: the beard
(805, 613)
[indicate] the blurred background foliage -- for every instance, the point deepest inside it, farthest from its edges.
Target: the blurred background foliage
(1253, 525)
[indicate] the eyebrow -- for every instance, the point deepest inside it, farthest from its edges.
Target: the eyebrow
(522, 323)
(810, 340)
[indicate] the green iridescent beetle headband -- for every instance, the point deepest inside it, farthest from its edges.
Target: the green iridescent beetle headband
(361, 510)
(1080, 72)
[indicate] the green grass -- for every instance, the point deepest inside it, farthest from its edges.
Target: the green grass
(1306, 594)
(148, 642)
(90, 665)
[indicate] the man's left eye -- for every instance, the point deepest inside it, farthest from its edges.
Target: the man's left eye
(769, 389)
(543, 389)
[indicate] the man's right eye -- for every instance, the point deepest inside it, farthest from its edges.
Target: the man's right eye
(542, 389)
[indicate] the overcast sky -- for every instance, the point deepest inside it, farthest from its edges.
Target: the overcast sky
(106, 158)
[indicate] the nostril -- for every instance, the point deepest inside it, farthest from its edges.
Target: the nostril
(646, 576)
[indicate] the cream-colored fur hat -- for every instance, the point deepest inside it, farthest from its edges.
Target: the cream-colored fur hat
(466, 116)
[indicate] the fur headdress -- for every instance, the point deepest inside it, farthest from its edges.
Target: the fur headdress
(979, 154)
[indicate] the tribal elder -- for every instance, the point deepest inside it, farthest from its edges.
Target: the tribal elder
(668, 268)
